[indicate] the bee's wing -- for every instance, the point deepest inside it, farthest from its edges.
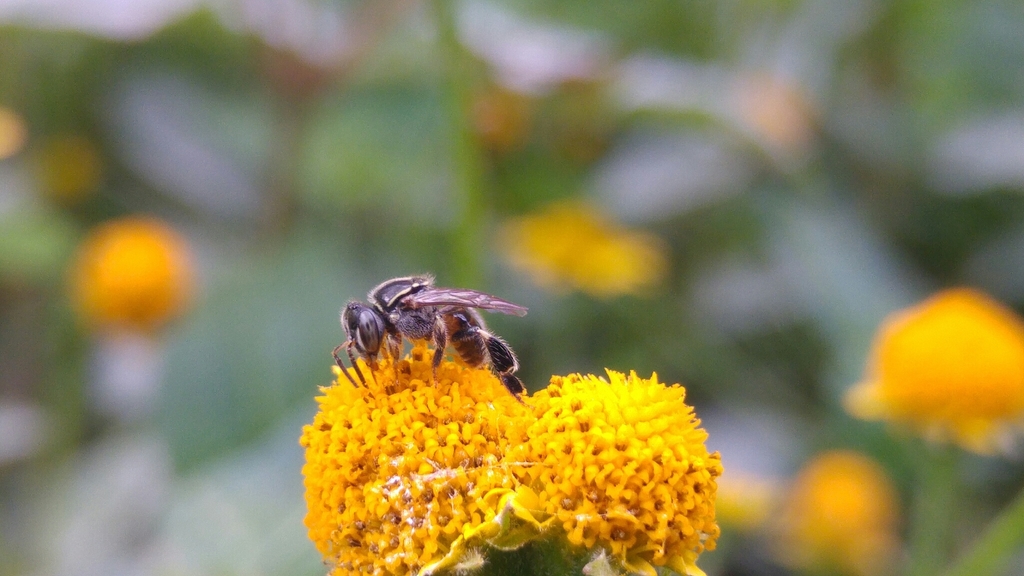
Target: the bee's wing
(462, 297)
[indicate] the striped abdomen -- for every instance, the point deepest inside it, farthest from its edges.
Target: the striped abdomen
(464, 327)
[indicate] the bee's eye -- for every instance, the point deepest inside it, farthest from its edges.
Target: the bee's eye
(369, 331)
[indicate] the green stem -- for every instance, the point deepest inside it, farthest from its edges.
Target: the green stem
(934, 503)
(468, 182)
(989, 553)
(283, 169)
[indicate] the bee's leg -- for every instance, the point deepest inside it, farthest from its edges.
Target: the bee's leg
(440, 338)
(372, 361)
(393, 348)
(347, 345)
(393, 344)
(504, 363)
(514, 385)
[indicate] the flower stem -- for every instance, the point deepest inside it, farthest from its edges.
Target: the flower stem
(989, 553)
(468, 181)
(934, 501)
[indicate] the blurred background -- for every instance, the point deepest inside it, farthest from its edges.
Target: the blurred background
(731, 193)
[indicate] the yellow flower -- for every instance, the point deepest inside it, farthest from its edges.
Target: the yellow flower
(952, 368)
(621, 463)
(404, 475)
(132, 273)
(69, 168)
(407, 475)
(840, 514)
(572, 244)
(745, 501)
(501, 119)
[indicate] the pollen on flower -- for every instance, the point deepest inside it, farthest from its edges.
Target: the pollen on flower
(952, 368)
(573, 245)
(399, 472)
(839, 514)
(622, 463)
(133, 273)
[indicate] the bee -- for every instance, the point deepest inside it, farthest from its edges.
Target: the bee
(412, 307)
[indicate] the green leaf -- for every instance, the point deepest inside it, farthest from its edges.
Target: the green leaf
(379, 148)
(259, 345)
(34, 244)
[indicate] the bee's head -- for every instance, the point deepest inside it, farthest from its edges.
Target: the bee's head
(363, 326)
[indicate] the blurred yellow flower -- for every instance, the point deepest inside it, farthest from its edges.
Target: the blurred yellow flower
(133, 273)
(572, 244)
(69, 168)
(622, 463)
(951, 368)
(501, 119)
(840, 514)
(745, 501)
(13, 133)
(402, 474)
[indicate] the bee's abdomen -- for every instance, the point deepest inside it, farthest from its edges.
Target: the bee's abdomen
(464, 335)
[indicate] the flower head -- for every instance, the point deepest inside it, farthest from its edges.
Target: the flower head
(840, 514)
(622, 463)
(410, 474)
(572, 244)
(404, 473)
(746, 501)
(952, 368)
(133, 273)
